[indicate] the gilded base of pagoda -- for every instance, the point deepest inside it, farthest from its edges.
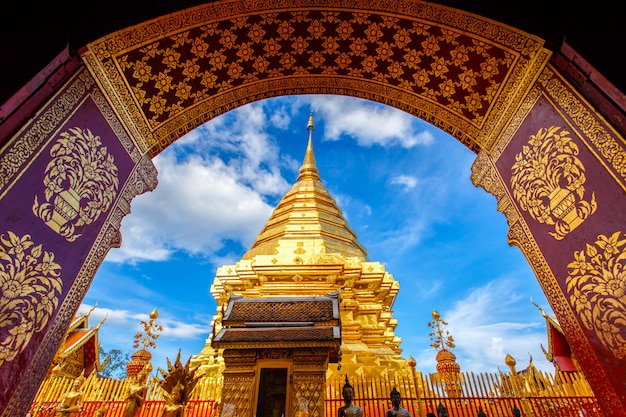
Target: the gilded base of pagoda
(370, 364)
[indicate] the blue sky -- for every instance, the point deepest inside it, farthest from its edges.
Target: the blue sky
(404, 188)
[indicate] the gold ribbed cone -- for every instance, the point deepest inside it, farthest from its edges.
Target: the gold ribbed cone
(307, 213)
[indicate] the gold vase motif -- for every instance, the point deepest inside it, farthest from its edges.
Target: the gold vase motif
(66, 208)
(548, 181)
(81, 182)
(30, 287)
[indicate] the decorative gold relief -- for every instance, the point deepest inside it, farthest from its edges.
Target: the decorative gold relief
(548, 181)
(456, 70)
(300, 249)
(30, 286)
(596, 287)
(81, 182)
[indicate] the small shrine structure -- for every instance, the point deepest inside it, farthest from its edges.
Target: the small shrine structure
(79, 352)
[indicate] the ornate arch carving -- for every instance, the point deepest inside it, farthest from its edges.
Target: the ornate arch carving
(459, 71)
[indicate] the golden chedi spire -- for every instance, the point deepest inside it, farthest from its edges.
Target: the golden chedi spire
(308, 170)
(307, 216)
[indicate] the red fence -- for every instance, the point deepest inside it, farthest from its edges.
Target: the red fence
(537, 395)
(195, 408)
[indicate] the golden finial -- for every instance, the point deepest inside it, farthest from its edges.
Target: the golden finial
(88, 313)
(412, 362)
(102, 321)
(543, 313)
(152, 332)
(310, 125)
(308, 170)
(440, 338)
(510, 360)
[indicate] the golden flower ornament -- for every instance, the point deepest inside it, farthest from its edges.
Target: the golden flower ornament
(80, 183)
(596, 287)
(30, 286)
(548, 181)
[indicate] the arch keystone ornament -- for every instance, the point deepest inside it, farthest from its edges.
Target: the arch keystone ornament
(459, 71)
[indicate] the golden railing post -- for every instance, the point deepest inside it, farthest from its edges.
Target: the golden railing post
(517, 386)
(416, 386)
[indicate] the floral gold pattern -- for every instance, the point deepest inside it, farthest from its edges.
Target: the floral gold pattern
(81, 182)
(548, 181)
(554, 91)
(452, 69)
(596, 287)
(30, 286)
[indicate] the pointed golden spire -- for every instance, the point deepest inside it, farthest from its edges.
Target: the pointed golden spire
(308, 170)
(307, 215)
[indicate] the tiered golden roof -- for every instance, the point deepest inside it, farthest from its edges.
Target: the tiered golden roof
(307, 248)
(78, 352)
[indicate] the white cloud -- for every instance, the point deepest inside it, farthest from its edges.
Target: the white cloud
(408, 181)
(197, 205)
(484, 334)
(403, 238)
(201, 200)
(177, 330)
(493, 321)
(280, 118)
(368, 123)
(119, 329)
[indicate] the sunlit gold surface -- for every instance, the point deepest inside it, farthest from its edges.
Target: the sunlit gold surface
(448, 371)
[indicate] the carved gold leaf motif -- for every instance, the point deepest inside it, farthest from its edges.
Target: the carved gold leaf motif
(81, 182)
(596, 287)
(548, 181)
(30, 286)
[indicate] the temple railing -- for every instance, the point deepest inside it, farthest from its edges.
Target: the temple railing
(536, 394)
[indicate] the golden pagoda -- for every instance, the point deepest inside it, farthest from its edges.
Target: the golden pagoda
(307, 250)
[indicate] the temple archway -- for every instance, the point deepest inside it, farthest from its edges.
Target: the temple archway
(554, 163)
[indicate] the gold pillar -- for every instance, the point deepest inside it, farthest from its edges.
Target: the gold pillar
(309, 377)
(238, 391)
